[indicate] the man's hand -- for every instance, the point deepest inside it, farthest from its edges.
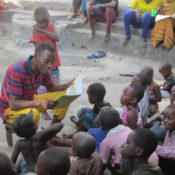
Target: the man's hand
(138, 15)
(47, 103)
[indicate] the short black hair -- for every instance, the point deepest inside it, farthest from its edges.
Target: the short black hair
(109, 118)
(145, 139)
(44, 46)
(137, 91)
(97, 89)
(6, 165)
(166, 65)
(144, 79)
(40, 12)
(24, 126)
(56, 161)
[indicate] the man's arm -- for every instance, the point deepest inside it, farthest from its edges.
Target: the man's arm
(46, 134)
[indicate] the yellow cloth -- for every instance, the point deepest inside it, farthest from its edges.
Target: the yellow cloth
(143, 7)
(11, 115)
(163, 30)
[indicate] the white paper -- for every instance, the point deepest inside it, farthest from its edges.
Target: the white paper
(161, 17)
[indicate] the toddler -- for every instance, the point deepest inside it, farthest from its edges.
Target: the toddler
(166, 71)
(107, 118)
(143, 80)
(166, 152)
(33, 143)
(88, 162)
(139, 146)
(132, 115)
(44, 32)
(86, 116)
(52, 161)
(154, 94)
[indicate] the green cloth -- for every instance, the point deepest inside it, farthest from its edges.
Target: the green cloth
(147, 169)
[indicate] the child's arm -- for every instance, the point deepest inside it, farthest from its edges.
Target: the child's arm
(52, 35)
(132, 117)
(16, 151)
(48, 133)
(157, 95)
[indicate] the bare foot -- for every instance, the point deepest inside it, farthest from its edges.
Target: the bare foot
(143, 44)
(72, 16)
(126, 41)
(92, 35)
(107, 38)
(46, 116)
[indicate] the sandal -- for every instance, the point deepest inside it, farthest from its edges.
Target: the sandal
(71, 16)
(100, 54)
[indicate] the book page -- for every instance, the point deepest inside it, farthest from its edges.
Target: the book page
(161, 17)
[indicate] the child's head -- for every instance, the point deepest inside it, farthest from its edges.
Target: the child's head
(148, 71)
(140, 143)
(169, 117)
(96, 92)
(83, 144)
(165, 69)
(141, 79)
(24, 126)
(41, 15)
(132, 94)
(108, 118)
(44, 58)
(52, 161)
(6, 165)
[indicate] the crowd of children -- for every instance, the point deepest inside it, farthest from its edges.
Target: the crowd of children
(120, 140)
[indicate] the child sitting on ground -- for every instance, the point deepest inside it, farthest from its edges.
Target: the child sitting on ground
(166, 152)
(107, 118)
(6, 165)
(33, 143)
(88, 162)
(154, 94)
(52, 161)
(131, 115)
(140, 144)
(143, 80)
(86, 116)
(44, 32)
(166, 71)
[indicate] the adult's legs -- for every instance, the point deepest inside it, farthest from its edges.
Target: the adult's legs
(75, 7)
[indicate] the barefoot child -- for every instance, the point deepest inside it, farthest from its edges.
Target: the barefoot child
(33, 143)
(131, 115)
(88, 162)
(52, 161)
(86, 116)
(139, 146)
(166, 71)
(154, 94)
(166, 152)
(108, 118)
(44, 32)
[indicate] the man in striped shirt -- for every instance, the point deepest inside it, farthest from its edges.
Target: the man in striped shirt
(21, 82)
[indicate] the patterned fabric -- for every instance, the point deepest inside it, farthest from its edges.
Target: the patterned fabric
(163, 30)
(42, 38)
(20, 81)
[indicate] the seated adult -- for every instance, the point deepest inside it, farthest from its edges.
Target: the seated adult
(163, 31)
(139, 16)
(105, 11)
(21, 82)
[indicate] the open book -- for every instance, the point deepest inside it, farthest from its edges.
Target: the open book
(161, 17)
(64, 98)
(72, 93)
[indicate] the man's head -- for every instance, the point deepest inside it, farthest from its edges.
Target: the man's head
(52, 161)
(108, 118)
(83, 144)
(44, 58)
(24, 126)
(96, 92)
(140, 143)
